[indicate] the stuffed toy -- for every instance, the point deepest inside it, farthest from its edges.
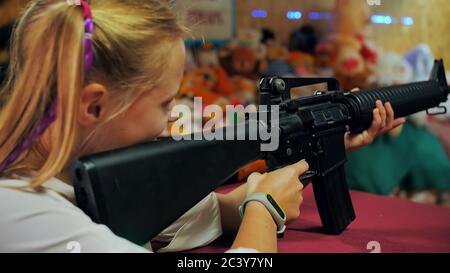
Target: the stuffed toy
(421, 60)
(277, 63)
(225, 59)
(325, 58)
(250, 38)
(201, 82)
(224, 85)
(351, 70)
(207, 56)
(268, 37)
(210, 83)
(353, 58)
(246, 91)
(303, 39)
(247, 41)
(392, 69)
(303, 63)
(244, 62)
(246, 37)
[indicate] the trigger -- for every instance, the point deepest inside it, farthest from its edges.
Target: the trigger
(307, 177)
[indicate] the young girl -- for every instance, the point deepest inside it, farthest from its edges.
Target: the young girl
(99, 76)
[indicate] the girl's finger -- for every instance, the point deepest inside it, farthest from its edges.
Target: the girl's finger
(300, 167)
(376, 123)
(389, 115)
(380, 106)
(398, 122)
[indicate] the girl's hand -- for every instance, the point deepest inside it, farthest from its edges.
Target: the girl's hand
(283, 185)
(383, 122)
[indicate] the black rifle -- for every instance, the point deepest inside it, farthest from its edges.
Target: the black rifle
(140, 190)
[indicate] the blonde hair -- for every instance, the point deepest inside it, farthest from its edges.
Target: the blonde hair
(130, 44)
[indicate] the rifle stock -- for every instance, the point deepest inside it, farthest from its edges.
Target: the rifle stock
(118, 188)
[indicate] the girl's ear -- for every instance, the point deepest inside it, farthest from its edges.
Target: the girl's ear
(94, 98)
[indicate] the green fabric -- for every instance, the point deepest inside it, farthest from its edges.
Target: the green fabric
(413, 160)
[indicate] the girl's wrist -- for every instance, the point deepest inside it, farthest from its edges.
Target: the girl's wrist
(257, 208)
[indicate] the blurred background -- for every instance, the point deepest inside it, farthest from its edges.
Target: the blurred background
(363, 43)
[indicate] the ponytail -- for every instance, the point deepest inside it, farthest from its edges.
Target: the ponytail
(46, 78)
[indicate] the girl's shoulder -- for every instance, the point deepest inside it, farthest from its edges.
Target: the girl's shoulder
(25, 204)
(53, 191)
(46, 221)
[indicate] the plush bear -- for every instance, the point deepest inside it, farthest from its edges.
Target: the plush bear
(201, 82)
(252, 39)
(244, 63)
(354, 59)
(247, 48)
(351, 70)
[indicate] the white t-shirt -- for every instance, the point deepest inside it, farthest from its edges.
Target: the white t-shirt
(49, 221)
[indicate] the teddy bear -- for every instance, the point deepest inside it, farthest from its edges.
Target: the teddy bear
(202, 82)
(354, 58)
(351, 70)
(249, 40)
(244, 63)
(252, 39)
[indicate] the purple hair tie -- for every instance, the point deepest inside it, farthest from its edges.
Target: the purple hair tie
(50, 114)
